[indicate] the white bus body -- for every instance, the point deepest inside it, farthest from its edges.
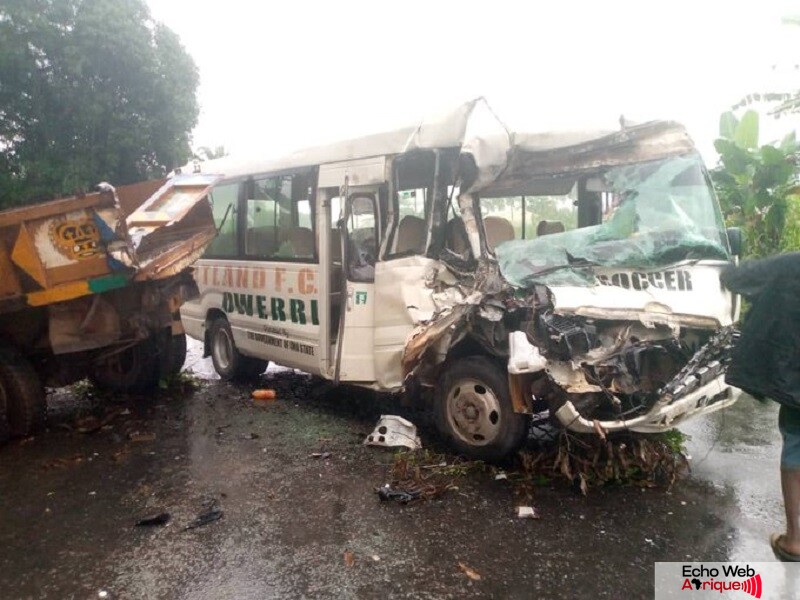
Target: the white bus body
(410, 259)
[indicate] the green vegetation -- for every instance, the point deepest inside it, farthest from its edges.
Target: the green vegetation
(90, 91)
(756, 185)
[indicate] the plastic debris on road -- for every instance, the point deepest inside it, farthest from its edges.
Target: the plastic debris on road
(393, 431)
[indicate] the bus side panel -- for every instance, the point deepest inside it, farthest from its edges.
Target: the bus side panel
(272, 307)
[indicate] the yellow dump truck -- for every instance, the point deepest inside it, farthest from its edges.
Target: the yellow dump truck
(92, 285)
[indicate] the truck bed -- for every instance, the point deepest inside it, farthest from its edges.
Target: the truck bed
(78, 246)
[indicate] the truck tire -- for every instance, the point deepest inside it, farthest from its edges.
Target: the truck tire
(473, 410)
(24, 397)
(228, 361)
(5, 430)
(135, 369)
(172, 354)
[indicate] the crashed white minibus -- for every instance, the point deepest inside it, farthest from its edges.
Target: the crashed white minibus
(497, 274)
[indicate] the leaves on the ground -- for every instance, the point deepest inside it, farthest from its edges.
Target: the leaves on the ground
(469, 572)
(590, 460)
(349, 559)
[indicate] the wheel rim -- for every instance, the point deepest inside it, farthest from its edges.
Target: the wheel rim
(473, 412)
(223, 348)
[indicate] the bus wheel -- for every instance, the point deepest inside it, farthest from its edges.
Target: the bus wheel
(473, 410)
(23, 406)
(135, 369)
(228, 361)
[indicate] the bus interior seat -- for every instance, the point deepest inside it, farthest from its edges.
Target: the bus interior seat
(260, 241)
(498, 230)
(456, 236)
(302, 242)
(548, 227)
(411, 235)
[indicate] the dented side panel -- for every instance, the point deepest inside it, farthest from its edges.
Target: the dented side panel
(404, 302)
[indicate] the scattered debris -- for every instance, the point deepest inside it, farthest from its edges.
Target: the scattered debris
(250, 436)
(205, 518)
(500, 476)
(387, 492)
(155, 521)
(527, 512)
(349, 559)
(588, 460)
(469, 572)
(139, 436)
(375, 558)
(264, 395)
(60, 463)
(392, 431)
(322, 455)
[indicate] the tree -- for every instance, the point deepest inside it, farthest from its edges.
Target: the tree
(90, 91)
(754, 183)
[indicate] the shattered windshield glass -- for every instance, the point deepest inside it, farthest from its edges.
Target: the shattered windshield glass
(656, 213)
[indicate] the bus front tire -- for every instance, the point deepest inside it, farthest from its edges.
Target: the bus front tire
(229, 363)
(473, 410)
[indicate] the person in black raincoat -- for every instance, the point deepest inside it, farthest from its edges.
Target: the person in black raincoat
(766, 364)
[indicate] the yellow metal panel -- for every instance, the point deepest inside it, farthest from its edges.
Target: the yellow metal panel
(59, 293)
(26, 258)
(9, 284)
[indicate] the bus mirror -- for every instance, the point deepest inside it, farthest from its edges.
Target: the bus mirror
(735, 240)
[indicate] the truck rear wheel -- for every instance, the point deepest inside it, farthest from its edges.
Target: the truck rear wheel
(135, 369)
(23, 395)
(172, 354)
(474, 413)
(228, 361)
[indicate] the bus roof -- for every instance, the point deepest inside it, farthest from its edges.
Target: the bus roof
(474, 129)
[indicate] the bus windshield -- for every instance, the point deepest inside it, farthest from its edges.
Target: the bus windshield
(654, 214)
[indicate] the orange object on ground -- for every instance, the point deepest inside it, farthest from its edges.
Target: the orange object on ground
(264, 394)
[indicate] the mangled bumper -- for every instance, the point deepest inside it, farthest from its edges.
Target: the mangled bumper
(665, 414)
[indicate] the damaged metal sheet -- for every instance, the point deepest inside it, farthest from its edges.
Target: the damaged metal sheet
(75, 247)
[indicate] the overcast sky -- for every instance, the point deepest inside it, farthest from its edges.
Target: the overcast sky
(277, 76)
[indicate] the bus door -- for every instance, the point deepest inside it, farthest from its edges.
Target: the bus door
(352, 193)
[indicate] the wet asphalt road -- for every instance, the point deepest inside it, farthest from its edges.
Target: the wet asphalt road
(69, 502)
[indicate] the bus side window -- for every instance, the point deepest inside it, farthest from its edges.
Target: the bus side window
(361, 234)
(224, 199)
(279, 219)
(413, 195)
(261, 218)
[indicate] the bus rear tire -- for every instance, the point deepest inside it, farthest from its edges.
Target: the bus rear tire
(473, 410)
(229, 363)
